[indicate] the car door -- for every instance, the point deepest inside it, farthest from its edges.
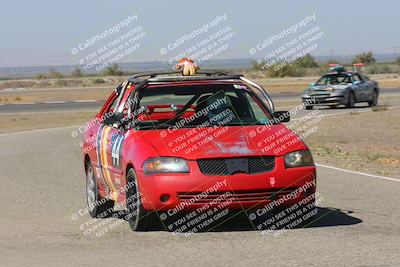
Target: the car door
(369, 88)
(104, 133)
(358, 87)
(113, 140)
(364, 86)
(109, 154)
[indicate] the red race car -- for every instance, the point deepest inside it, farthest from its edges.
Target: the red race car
(165, 143)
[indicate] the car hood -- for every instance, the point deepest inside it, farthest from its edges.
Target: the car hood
(325, 87)
(227, 141)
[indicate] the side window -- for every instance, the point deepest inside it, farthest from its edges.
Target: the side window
(356, 77)
(113, 99)
(323, 80)
(108, 109)
(115, 110)
(345, 79)
(111, 108)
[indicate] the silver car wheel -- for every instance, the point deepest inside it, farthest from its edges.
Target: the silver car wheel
(90, 189)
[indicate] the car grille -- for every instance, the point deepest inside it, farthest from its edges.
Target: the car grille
(320, 94)
(229, 166)
(241, 196)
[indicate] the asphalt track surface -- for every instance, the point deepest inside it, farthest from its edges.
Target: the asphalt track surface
(43, 186)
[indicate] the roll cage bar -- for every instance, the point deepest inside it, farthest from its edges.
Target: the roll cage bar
(143, 79)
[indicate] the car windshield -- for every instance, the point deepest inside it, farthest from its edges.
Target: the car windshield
(206, 105)
(334, 79)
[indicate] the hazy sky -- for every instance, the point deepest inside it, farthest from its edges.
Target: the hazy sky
(43, 32)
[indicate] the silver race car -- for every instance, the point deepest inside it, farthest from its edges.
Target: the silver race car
(341, 87)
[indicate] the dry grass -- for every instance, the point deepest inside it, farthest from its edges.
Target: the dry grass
(367, 141)
(59, 94)
(25, 122)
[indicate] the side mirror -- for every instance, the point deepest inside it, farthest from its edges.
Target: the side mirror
(311, 84)
(281, 116)
(356, 82)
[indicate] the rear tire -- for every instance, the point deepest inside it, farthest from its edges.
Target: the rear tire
(351, 100)
(374, 99)
(309, 107)
(98, 207)
(139, 219)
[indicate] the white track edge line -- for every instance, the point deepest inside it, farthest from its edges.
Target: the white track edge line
(355, 172)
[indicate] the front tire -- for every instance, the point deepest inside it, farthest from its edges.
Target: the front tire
(374, 99)
(309, 107)
(351, 100)
(98, 207)
(139, 219)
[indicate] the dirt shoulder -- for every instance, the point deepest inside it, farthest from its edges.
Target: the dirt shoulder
(82, 82)
(26, 122)
(55, 94)
(367, 142)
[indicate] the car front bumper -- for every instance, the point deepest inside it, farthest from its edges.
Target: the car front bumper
(237, 191)
(335, 98)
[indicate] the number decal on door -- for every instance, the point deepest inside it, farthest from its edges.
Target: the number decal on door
(116, 144)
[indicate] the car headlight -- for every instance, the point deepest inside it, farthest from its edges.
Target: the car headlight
(165, 165)
(299, 159)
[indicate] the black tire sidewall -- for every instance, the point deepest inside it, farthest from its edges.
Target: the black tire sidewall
(103, 207)
(374, 99)
(136, 214)
(350, 100)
